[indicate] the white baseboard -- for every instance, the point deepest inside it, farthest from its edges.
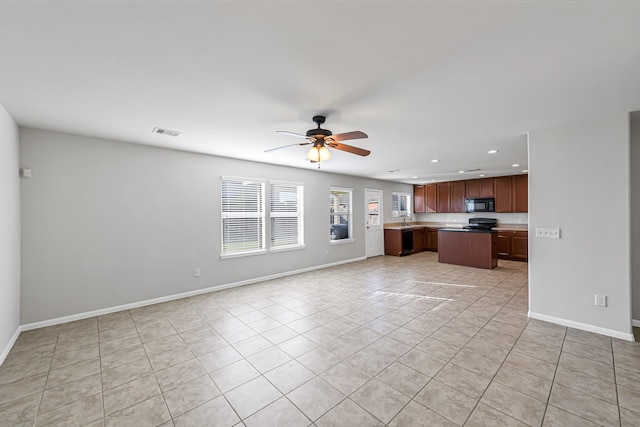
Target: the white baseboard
(582, 326)
(636, 323)
(9, 345)
(129, 306)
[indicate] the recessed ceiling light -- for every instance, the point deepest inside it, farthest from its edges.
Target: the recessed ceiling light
(525, 170)
(169, 132)
(414, 177)
(395, 170)
(460, 171)
(433, 180)
(515, 165)
(492, 151)
(435, 161)
(481, 174)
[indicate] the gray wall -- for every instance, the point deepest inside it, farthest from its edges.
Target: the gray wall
(579, 182)
(107, 223)
(635, 215)
(9, 231)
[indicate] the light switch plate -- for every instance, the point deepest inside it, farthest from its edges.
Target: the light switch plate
(548, 233)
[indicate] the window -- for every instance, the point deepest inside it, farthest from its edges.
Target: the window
(287, 231)
(400, 205)
(340, 214)
(242, 216)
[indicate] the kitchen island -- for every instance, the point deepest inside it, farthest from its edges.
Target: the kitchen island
(471, 248)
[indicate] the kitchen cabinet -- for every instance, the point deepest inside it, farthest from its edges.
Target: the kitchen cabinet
(458, 189)
(513, 245)
(520, 189)
(431, 192)
(419, 239)
(398, 242)
(479, 188)
(502, 191)
(418, 198)
(432, 240)
(443, 197)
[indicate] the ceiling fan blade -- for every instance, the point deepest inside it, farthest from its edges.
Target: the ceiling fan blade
(356, 134)
(285, 146)
(286, 132)
(349, 149)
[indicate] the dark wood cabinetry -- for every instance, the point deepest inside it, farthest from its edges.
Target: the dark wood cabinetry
(432, 240)
(513, 245)
(419, 239)
(431, 192)
(511, 194)
(520, 189)
(473, 249)
(418, 198)
(502, 192)
(443, 197)
(458, 191)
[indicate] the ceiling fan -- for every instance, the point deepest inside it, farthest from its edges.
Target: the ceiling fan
(323, 138)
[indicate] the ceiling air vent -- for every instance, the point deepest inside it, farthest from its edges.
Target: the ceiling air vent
(166, 132)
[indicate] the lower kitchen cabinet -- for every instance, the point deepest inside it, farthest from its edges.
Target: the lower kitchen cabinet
(432, 240)
(419, 239)
(513, 245)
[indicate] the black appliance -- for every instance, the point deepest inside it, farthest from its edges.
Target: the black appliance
(485, 204)
(407, 242)
(485, 224)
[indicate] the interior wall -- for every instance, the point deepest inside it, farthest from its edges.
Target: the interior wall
(108, 223)
(579, 175)
(635, 215)
(9, 232)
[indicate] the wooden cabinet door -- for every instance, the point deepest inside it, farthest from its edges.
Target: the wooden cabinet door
(431, 199)
(419, 239)
(520, 246)
(432, 239)
(486, 187)
(472, 188)
(443, 194)
(520, 193)
(392, 242)
(457, 196)
(502, 193)
(418, 199)
(504, 244)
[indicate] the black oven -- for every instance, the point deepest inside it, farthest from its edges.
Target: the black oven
(485, 204)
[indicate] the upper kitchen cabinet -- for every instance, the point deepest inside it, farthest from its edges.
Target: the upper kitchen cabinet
(443, 197)
(458, 191)
(419, 198)
(520, 188)
(479, 188)
(503, 194)
(431, 203)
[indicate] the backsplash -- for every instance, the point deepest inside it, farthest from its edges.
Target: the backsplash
(503, 218)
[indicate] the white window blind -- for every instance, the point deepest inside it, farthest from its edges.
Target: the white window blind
(340, 214)
(287, 230)
(400, 205)
(243, 229)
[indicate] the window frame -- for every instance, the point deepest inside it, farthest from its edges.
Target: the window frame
(350, 238)
(299, 214)
(261, 214)
(401, 194)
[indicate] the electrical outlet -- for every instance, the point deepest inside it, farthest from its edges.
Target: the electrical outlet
(196, 272)
(548, 233)
(601, 300)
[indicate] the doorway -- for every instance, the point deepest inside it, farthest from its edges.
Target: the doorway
(373, 223)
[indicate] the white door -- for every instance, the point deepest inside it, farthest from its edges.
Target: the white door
(374, 234)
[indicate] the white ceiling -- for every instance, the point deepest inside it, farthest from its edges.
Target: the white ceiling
(425, 80)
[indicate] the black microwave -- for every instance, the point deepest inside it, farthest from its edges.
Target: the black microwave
(485, 204)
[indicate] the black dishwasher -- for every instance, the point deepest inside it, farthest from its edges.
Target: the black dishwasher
(407, 242)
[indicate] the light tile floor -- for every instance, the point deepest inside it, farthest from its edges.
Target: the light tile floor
(387, 341)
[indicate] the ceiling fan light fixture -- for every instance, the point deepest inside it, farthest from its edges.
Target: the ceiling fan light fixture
(318, 154)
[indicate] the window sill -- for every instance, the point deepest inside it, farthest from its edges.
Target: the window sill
(287, 248)
(243, 254)
(341, 241)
